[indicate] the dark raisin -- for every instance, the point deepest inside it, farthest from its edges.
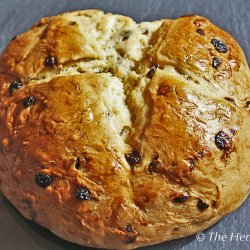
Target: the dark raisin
(222, 141)
(43, 180)
(28, 101)
(151, 72)
(202, 205)
(200, 32)
(153, 165)
(77, 164)
(181, 198)
(219, 45)
(130, 234)
(128, 229)
(72, 23)
(133, 158)
(50, 61)
(17, 84)
(216, 63)
(82, 193)
(145, 32)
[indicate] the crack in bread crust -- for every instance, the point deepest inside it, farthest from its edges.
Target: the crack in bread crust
(134, 113)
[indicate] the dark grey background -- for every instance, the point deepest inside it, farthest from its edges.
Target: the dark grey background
(16, 16)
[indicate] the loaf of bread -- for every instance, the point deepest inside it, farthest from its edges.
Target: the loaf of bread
(119, 135)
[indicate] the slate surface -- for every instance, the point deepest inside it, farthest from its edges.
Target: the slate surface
(16, 16)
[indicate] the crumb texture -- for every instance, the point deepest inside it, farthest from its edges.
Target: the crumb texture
(127, 134)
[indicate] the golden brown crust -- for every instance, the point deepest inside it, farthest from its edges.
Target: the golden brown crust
(58, 37)
(187, 45)
(175, 173)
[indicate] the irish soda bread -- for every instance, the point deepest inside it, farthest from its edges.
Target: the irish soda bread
(120, 135)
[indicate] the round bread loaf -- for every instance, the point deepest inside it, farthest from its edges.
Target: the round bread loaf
(120, 135)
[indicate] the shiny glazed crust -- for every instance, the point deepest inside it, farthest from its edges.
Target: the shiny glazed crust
(152, 119)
